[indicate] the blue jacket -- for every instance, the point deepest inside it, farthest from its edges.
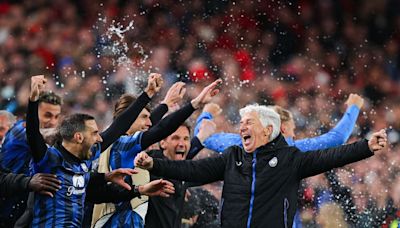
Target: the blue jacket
(336, 136)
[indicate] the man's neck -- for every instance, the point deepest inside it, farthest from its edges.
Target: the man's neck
(73, 148)
(166, 155)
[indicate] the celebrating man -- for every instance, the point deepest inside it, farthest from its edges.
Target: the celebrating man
(261, 179)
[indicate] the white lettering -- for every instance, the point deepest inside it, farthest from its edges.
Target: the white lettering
(72, 190)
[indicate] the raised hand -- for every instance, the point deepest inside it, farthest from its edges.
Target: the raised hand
(206, 94)
(117, 177)
(207, 128)
(355, 99)
(213, 109)
(378, 141)
(144, 161)
(44, 183)
(38, 83)
(159, 187)
(174, 94)
(154, 84)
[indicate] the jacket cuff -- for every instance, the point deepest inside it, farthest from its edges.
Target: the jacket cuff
(365, 148)
(25, 183)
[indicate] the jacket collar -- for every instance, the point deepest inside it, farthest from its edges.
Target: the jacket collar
(275, 144)
(68, 156)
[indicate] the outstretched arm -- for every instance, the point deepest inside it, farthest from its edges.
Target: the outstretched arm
(217, 142)
(207, 128)
(203, 171)
(319, 161)
(35, 140)
(158, 113)
(337, 135)
(171, 123)
(122, 123)
(166, 126)
(195, 148)
(173, 96)
(11, 183)
(43, 183)
(316, 162)
(99, 191)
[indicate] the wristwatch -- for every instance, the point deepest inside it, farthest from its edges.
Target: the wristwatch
(136, 190)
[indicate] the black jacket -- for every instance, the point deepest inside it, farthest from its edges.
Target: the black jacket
(260, 188)
(167, 212)
(11, 184)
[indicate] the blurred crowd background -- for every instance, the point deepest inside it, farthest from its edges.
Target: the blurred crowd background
(306, 56)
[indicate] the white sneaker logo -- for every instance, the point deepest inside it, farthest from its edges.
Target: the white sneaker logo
(273, 162)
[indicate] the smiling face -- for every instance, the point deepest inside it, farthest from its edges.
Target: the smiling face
(252, 132)
(49, 115)
(177, 144)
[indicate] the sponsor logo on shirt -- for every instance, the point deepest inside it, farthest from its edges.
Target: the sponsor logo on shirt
(78, 182)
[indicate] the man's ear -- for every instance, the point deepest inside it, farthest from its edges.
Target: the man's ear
(268, 131)
(78, 137)
(162, 144)
(283, 128)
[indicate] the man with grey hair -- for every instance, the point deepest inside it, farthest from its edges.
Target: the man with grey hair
(261, 180)
(269, 119)
(7, 119)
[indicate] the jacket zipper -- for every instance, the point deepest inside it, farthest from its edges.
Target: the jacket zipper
(285, 208)
(253, 188)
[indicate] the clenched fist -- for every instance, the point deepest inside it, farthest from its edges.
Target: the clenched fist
(378, 141)
(154, 84)
(144, 161)
(38, 83)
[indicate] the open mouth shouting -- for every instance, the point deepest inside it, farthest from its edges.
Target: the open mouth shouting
(180, 154)
(247, 140)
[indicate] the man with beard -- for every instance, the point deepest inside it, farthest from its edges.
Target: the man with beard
(71, 158)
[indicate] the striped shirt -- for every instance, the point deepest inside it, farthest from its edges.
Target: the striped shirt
(66, 208)
(15, 154)
(123, 152)
(15, 157)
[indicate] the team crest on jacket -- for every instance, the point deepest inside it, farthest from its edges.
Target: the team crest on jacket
(78, 181)
(273, 162)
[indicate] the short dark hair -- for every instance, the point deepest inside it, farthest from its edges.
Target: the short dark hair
(72, 124)
(50, 97)
(187, 125)
(123, 103)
